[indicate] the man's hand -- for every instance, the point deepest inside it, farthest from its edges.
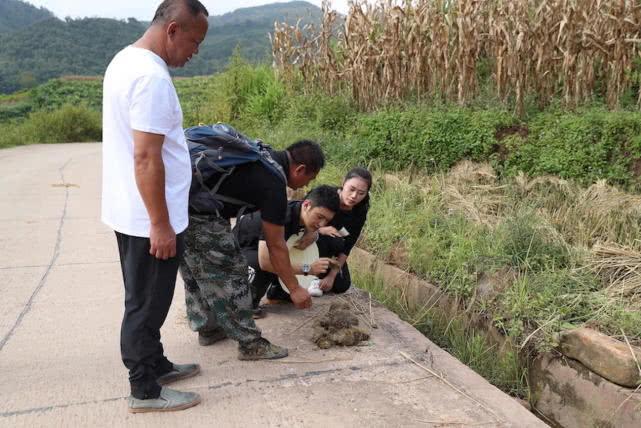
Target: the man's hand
(163, 241)
(320, 266)
(308, 238)
(329, 231)
(301, 298)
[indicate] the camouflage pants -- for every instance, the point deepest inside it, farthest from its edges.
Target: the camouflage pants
(217, 290)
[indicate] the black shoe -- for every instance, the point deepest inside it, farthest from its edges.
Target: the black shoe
(258, 313)
(209, 337)
(275, 292)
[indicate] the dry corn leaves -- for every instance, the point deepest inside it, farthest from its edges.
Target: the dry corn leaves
(433, 48)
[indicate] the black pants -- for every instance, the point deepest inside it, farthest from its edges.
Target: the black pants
(329, 246)
(261, 279)
(149, 289)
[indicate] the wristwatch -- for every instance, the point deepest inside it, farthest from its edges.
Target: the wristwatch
(305, 269)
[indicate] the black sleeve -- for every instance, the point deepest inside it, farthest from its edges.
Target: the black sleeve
(273, 207)
(354, 227)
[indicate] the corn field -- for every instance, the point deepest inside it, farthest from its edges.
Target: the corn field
(519, 50)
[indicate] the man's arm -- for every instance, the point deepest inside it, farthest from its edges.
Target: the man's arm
(150, 179)
(279, 256)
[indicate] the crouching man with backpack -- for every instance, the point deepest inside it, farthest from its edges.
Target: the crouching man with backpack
(233, 175)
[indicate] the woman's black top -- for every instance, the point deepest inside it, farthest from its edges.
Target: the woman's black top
(353, 221)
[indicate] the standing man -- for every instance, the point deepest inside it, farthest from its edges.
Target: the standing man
(146, 179)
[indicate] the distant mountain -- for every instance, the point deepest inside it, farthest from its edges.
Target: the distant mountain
(16, 14)
(54, 47)
(249, 29)
(289, 12)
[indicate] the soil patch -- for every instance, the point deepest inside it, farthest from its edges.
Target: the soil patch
(502, 133)
(521, 131)
(339, 327)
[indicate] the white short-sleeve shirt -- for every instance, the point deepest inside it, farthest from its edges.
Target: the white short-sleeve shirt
(138, 94)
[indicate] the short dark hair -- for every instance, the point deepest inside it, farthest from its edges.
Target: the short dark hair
(170, 9)
(308, 153)
(325, 196)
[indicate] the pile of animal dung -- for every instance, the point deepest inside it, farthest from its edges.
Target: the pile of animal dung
(339, 327)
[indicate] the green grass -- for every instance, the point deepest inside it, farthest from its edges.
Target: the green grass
(554, 289)
(502, 369)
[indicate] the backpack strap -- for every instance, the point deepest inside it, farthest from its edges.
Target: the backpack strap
(214, 190)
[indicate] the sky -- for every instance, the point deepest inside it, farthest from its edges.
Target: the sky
(144, 9)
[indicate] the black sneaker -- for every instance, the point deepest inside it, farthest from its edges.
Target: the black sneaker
(259, 313)
(209, 337)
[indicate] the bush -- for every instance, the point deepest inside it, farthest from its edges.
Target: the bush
(433, 140)
(11, 111)
(65, 125)
(528, 244)
(268, 103)
(251, 93)
(68, 91)
(584, 146)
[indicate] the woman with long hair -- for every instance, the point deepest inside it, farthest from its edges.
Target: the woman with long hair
(339, 237)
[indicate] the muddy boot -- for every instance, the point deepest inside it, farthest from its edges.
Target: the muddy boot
(209, 337)
(260, 349)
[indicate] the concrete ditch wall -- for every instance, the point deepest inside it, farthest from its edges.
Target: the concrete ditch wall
(563, 390)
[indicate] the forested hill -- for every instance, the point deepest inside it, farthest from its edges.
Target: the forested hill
(54, 47)
(16, 14)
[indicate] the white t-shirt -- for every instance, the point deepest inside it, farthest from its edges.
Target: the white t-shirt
(138, 94)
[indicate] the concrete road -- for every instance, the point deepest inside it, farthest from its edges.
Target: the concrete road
(61, 306)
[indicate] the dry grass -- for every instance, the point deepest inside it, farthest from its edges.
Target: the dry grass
(433, 48)
(620, 266)
(581, 216)
(585, 216)
(472, 190)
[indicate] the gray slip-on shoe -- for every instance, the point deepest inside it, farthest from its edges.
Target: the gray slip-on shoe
(169, 400)
(180, 371)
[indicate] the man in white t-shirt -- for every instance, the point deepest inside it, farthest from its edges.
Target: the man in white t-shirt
(146, 180)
